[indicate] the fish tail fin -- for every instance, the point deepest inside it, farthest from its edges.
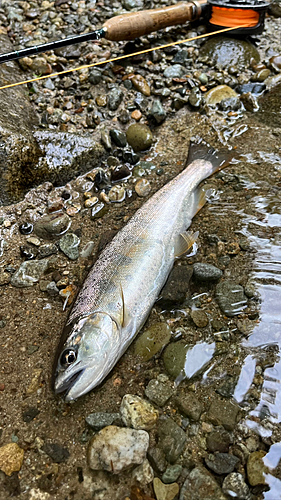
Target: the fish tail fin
(201, 150)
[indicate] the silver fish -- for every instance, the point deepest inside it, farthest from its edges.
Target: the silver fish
(127, 278)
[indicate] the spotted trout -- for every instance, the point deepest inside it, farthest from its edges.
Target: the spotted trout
(123, 284)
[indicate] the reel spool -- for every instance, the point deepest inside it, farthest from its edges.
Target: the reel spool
(230, 13)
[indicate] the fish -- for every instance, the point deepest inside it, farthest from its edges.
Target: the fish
(126, 280)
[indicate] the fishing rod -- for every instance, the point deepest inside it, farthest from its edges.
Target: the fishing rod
(218, 14)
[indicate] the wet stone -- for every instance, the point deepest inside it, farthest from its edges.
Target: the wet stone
(152, 340)
(115, 449)
(141, 84)
(99, 210)
(218, 94)
(95, 76)
(174, 358)
(270, 105)
(227, 387)
(11, 458)
(172, 473)
(250, 102)
(101, 419)
(223, 413)
(177, 286)
(226, 51)
(200, 318)
(29, 414)
(118, 137)
(56, 452)
(181, 57)
(120, 172)
(69, 244)
(115, 98)
(139, 136)
(218, 441)
(5, 277)
(195, 97)
(190, 406)
(159, 392)
(143, 473)
(157, 112)
(235, 486)
(222, 463)
(52, 226)
(231, 298)
(28, 252)
(138, 413)
(206, 272)
(256, 468)
(105, 139)
(52, 289)
(157, 459)
(175, 71)
(142, 188)
(29, 273)
(200, 485)
(172, 439)
(165, 491)
(117, 194)
(230, 103)
(26, 228)
(46, 250)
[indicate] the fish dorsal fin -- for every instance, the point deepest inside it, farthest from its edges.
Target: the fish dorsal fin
(185, 242)
(125, 317)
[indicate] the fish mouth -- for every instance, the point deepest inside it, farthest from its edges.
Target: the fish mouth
(68, 383)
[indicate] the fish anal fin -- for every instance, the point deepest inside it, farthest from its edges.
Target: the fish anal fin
(125, 317)
(185, 242)
(200, 200)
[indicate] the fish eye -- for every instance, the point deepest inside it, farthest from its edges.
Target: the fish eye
(68, 357)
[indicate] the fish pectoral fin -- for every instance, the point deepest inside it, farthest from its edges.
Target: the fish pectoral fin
(125, 317)
(185, 242)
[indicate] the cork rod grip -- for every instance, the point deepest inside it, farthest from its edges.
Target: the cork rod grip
(135, 24)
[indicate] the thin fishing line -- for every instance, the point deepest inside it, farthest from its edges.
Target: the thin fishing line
(119, 58)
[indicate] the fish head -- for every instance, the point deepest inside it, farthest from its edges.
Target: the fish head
(82, 361)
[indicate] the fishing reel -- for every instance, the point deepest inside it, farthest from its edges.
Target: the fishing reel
(231, 13)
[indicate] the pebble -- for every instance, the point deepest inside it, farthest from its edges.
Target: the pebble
(5, 277)
(56, 452)
(11, 458)
(172, 439)
(157, 458)
(141, 84)
(256, 469)
(230, 103)
(218, 94)
(143, 473)
(190, 406)
(152, 340)
(139, 136)
(95, 76)
(35, 382)
(200, 485)
(99, 210)
(159, 392)
(235, 486)
(221, 463)
(52, 225)
(250, 102)
(218, 440)
(157, 112)
(101, 419)
(28, 252)
(231, 298)
(52, 289)
(172, 473)
(69, 244)
(29, 272)
(175, 71)
(199, 318)
(115, 98)
(118, 137)
(181, 57)
(26, 228)
(261, 75)
(136, 115)
(206, 272)
(120, 173)
(101, 100)
(115, 449)
(226, 51)
(105, 139)
(142, 188)
(33, 240)
(90, 202)
(174, 358)
(223, 413)
(176, 288)
(138, 413)
(46, 250)
(30, 414)
(195, 97)
(117, 194)
(87, 250)
(165, 491)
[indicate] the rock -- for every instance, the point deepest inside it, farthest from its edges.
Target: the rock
(199, 317)
(105, 139)
(275, 63)
(120, 173)
(52, 226)
(115, 98)
(235, 486)
(56, 452)
(5, 277)
(206, 272)
(200, 485)
(156, 112)
(221, 463)
(11, 458)
(101, 100)
(35, 382)
(189, 405)
(231, 298)
(139, 137)
(99, 210)
(142, 188)
(181, 57)
(195, 97)
(28, 252)
(218, 441)
(132, 4)
(174, 358)
(177, 286)
(172, 439)
(270, 107)
(46, 250)
(172, 473)
(101, 419)
(226, 51)
(152, 340)
(26, 228)
(223, 413)
(159, 392)
(175, 71)
(69, 244)
(118, 137)
(115, 449)
(30, 272)
(141, 84)
(143, 474)
(95, 76)
(230, 104)
(19, 148)
(138, 413)
(117, 194)
(157, 459)
(275, 8)
(218, 94)
(165, 491)
(29, 414)
(250, 102)
(256, 468)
